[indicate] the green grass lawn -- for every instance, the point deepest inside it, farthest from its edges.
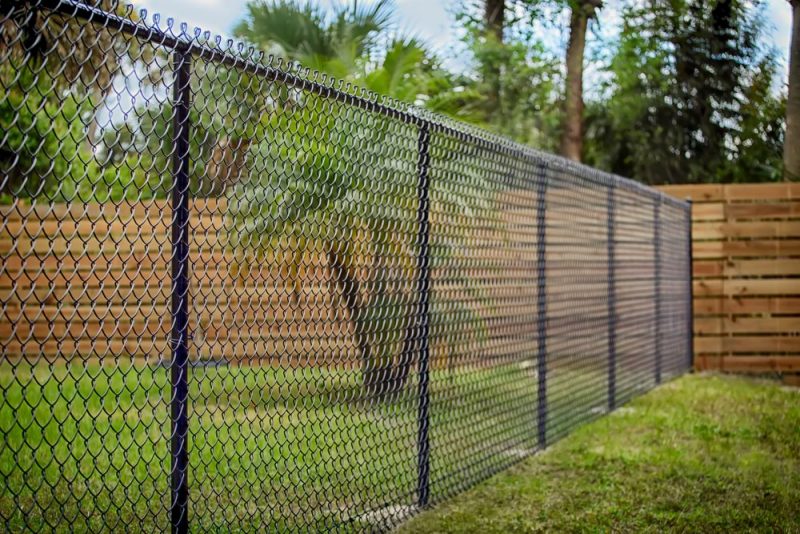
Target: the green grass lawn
(704, 453)
(88, 445)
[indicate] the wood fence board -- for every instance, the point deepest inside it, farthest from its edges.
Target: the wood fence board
(749, 364)
(772, 210)
(746, 288)
(761, 267)
(775, 191)
(760, 364)
(746, 325)
(747, 229)
(747, 249)
(697, 193)
(748, 344)
(746, 306)
(708, 212)
(703, 268)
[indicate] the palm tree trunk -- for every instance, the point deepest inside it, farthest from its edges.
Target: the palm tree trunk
(227, 165)
(348, 288)
(397, 374)
(791, 144)
(493, 18)
(572, 134)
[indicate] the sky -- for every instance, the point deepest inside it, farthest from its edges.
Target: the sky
(431, 20)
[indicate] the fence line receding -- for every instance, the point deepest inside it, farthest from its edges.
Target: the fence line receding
(240, 296)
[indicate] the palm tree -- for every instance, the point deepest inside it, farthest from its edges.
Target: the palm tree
(332, 182)
(325, 180)
(312, 192)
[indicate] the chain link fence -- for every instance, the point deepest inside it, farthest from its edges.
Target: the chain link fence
(237, 295)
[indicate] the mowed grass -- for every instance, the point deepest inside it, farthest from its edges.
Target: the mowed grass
(704, 453)
(86, 446)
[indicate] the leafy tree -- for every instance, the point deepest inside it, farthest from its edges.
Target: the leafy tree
(40, 147)
(690, 97)
(523, 70)
(535, 13)
(56, 72)
(143, 146)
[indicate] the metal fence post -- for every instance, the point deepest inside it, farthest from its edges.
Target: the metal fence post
(612, 303)
(179, 505)
(657, 261)
(690, 281)
(423, 290)
(541, 305)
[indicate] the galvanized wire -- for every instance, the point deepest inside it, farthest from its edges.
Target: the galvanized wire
(239, 295)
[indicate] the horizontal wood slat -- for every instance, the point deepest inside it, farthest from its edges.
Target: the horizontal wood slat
(750, 364)
(746, 306)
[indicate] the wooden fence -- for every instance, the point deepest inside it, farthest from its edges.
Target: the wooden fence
(92, 281)
(101, 278)
(746, 276)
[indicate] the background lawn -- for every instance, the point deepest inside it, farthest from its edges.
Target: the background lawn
(88, 445)
(704, 453)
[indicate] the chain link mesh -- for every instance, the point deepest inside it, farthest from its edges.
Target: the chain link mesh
(238, 295)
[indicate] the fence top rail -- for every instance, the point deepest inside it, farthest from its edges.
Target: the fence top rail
(246, 58)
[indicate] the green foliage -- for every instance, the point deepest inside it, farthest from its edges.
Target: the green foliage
(690, 97)
(140, 150)
(54, 78)
(408, 73)
(41, 152)
(307, 181)
(527, 75)
(335, 43)
(45, 155)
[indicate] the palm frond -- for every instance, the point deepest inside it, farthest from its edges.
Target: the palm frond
(299, 30)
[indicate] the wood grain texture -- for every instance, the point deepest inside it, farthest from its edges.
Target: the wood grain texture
(746, 275)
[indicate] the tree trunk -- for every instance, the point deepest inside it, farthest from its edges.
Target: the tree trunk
(349, 287)
(227, 165)
(791, 144)
(493, 18)
(572, 134)
(397, 374)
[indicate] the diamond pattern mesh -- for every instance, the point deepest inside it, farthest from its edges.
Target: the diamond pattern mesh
(237, 295)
